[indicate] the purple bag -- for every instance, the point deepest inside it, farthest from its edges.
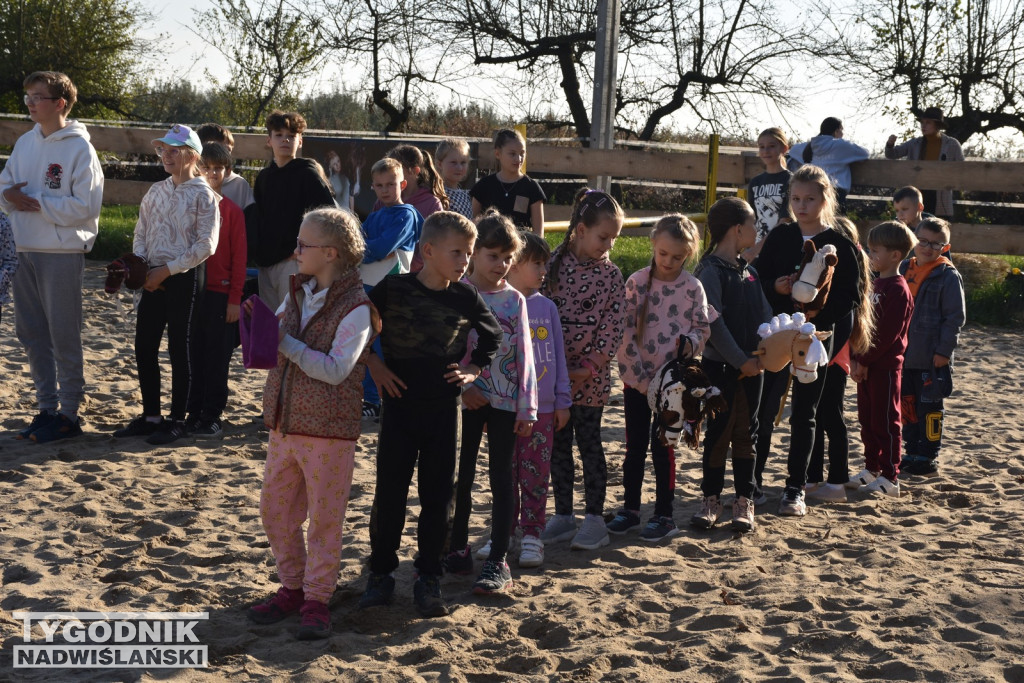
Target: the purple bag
(259, 334)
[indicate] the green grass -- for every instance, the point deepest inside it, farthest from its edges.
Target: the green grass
(117, 226)
(630, 254)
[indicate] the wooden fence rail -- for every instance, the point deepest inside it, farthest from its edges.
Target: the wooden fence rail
(734, 169)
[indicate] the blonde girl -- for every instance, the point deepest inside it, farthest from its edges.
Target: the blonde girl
(178, 228)
(813, 201)
(587, 288)
(509, 190)
(665, 311)
(312, 405)
(452, 157)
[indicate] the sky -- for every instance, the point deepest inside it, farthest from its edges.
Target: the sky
(822, 95)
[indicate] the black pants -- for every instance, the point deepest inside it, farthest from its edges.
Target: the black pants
(736, 427)
(831, 423)
(641, 432)
(802, 425)
(174, 307)
(501, 443)
(421, 435)
(773, 390)
(923, 413)
(214, 344)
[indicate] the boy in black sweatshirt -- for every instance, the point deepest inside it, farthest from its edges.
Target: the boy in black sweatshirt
(426, 318)
(284, 191)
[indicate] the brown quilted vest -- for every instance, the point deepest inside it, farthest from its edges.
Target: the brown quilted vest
(315, 408)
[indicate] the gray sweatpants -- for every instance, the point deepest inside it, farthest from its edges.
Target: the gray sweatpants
(48, 321)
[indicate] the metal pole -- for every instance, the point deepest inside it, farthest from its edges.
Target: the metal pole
(602, 113)
(711, 191)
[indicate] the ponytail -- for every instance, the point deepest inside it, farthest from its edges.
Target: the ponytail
(589, 208)
(413, 156)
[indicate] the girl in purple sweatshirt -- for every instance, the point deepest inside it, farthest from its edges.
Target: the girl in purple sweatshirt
(503, 398)
(532, 459)
(587, 288)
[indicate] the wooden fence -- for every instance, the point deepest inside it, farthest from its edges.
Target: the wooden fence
(734, 169)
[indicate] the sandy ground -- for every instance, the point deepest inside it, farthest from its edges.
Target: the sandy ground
(928, 587)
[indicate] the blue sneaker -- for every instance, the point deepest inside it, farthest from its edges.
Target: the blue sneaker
(624, 521)
(659, 527)
(379, 589)
(38, 422)
(58, 427)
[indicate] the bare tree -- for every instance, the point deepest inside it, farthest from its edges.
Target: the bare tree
(397, 47)
(966, 56)
(705, 55)
(272, 46)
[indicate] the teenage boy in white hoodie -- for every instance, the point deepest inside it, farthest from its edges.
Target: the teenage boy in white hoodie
(52, 188)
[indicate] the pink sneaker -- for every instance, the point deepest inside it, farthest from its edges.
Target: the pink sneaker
(283, 603)
(316, 621)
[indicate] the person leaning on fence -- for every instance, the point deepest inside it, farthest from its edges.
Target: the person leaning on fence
(285, 190)
(932, 145)
(833, 154)
(52, 189)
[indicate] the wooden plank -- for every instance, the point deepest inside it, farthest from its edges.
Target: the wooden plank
(972, 238)
(623, 163)
(124, 191)
(991, 176)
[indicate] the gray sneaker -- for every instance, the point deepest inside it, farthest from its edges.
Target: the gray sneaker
(559, 528)
(592, 535)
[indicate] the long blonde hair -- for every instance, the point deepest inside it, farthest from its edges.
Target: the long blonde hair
(814, 175)
(863, 332)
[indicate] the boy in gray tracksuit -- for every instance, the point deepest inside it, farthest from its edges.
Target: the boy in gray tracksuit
(52, 188)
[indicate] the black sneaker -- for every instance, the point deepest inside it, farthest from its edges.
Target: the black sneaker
(59, 427)
(371, 410)
(495, 577)
(38, 422)
(459, 562)
(624, 521)
(379, 589)
(191, 422)
(168, 432)
(206, 429)
(140, 426)
(426, 593)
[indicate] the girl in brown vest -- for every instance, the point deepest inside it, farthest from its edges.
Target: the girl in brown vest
(312, 405)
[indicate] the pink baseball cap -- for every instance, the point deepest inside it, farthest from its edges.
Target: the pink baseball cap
(181, 136)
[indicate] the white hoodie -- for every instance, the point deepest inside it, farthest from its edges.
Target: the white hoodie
(64, 175)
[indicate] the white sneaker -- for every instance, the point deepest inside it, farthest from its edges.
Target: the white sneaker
(811, 486)
(883, 486)
(710, 511)
(832, 493)
(761, 497)
(532, 552)
(593, 534)
(792, 503)
(559, 528)
(485, 551)
(863, 479)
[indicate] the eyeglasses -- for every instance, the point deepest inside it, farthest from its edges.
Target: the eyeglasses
(937, 246)
(36, 99)
(301, 246)
(162, 150)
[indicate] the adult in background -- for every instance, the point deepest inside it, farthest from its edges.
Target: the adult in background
(830, 152)
(933, 145)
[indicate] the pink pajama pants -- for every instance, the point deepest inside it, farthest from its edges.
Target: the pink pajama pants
(306, 476)
(532, 462)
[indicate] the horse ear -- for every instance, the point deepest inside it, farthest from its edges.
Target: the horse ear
(831, 259)
(809, 248)
(822, 335)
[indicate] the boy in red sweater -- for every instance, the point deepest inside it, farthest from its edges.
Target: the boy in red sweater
(225, 276)
(878, 370)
